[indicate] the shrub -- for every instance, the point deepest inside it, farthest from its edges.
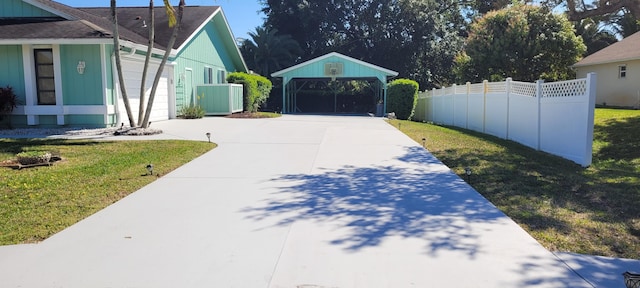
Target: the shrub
(402, 97)
(256, 89)
(8, 101)
(191, 112)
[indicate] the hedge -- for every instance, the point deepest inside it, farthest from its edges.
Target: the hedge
(402, 97)
(256, 89)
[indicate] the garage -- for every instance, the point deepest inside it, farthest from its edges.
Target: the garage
(132, 73)
(334, 84)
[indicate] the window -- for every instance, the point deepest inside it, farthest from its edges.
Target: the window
(45, 82)
(208, 75)
(622, 71)
(222, 76)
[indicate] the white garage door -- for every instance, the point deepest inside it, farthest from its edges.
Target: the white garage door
(132, 73)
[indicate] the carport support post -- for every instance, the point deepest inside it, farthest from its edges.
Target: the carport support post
(384, 92)
(285, 82)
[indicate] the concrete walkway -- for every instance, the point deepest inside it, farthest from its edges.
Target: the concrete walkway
(301, 202)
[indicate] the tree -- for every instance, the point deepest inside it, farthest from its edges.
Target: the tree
(593, 36)
(621, 16)
(174, 21)
(523, 42)
(578, 10)
(116, 45)
(417, 38)
(147, 58)
(267, 51)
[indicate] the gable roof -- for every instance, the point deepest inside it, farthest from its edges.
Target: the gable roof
(134, 19)
(95, 23)
(624, 50)
(385, 71)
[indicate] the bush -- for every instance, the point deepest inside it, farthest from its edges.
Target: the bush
(256, 89)
(402, 97)
(8, 101)
(191, 112)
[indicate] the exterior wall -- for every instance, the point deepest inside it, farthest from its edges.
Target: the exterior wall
(11, 70)
(612, 90)
(85, 100)
(206, 49)
(81, 89)
(17, 8)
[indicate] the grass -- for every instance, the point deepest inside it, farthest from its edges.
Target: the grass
(37, 202)
(594, 210)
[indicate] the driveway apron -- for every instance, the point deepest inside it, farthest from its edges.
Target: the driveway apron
(294, 202)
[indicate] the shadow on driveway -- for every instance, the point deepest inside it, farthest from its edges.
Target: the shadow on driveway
(418, 199)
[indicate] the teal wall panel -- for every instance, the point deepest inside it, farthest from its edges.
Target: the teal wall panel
(220, 99)
(17, 8)
(88, 121)
(351, 69)
(48, 121)
(11, 69)
(81, 89)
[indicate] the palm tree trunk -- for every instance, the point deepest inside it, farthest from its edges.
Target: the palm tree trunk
(143, 85)
(169, 47)
(116, 48)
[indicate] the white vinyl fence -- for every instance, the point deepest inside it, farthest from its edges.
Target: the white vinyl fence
(553, 117)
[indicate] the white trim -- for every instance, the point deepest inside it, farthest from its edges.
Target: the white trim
(64, 110)
(192, 97)
(202, 25)
(171, 90)
(57, 74)
(578, 65)
(336, 54)
(103, 68)
(49, 9)
(36, 41)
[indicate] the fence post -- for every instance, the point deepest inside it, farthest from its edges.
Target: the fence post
(508, 88)
(539, 111)
(591, 104)
(468, 92)
(485, 85)
(433, 104)
(453, 104)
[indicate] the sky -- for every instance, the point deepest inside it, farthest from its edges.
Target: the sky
(242, 15)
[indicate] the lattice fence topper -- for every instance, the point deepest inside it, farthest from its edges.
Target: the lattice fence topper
(523, 89)
(497, 87)
(477, 88)
(565, 88)
(449, 91)
(460, 89)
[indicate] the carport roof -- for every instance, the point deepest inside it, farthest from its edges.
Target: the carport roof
(353, 68)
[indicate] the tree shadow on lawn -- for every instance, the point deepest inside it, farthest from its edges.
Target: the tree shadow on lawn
(419, 198)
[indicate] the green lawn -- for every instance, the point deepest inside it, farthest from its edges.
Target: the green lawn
(594, 210)
(38, 202)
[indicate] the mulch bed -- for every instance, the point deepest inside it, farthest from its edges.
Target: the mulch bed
(246, 115)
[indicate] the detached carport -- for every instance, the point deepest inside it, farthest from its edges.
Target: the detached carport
(333, 68)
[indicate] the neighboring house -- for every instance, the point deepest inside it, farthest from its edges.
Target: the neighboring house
(60, 61)
(618, 72)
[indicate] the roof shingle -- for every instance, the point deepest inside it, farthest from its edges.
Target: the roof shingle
(624, 50)
(91, 23)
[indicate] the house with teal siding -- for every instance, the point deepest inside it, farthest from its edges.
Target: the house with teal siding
(60, 62)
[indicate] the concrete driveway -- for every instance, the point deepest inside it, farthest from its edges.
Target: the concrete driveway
(295, 202)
